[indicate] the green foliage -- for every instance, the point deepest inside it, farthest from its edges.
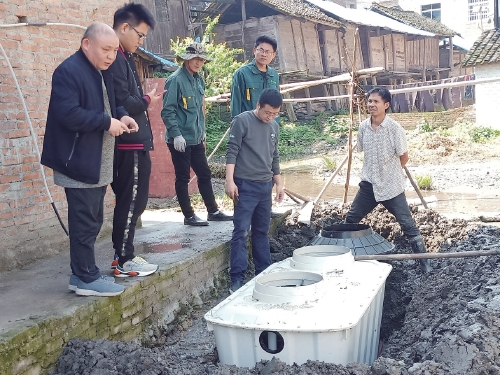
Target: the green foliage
(339, 126)
(424, 182)
(330, 164)
(217, 73)
(296, 140)
(424, 126)
(161, 74)
(216, 128)
(342, 111)
(481, 134)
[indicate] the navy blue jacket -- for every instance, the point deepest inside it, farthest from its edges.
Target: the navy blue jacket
(76, 120)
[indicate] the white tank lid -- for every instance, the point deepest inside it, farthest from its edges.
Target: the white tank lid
(322, 258)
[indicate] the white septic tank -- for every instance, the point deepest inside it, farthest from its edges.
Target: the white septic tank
(318, 305)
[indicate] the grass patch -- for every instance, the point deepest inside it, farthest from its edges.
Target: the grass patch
(424, 182)
(482, 134)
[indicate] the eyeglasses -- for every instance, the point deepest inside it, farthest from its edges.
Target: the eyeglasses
(141, 35)
(264, 52)
(271, 114)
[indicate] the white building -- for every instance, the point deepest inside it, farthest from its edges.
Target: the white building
(468, 17)
(485, 57)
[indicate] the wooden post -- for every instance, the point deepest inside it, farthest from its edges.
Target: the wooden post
(243, 21)
(308, 104)
(450, 58)
(326, 93)
(424, 73)
(289, 106)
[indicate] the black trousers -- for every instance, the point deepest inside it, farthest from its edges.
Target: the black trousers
(365, 202)
(193, 157)
(131, 187)
(85, 217)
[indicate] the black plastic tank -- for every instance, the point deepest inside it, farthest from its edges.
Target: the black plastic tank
(360, 238)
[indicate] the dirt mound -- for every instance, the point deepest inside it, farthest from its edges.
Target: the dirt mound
(447, 322)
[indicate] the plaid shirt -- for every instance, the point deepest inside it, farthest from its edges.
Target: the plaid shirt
(382, 149)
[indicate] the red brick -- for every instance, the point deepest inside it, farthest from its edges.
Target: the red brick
(19, 133)
(8, 178)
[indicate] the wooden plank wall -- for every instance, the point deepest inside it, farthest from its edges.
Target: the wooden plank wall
(254, 27)
(416, 51)
(349, 45)
(334, 41)
(172, 20)
(298, 46)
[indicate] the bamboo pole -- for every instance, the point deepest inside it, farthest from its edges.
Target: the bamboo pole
(403, 91)
(463, 254)
(351, 117)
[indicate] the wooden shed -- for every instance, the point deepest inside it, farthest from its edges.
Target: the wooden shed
(293, 23)
(423, 54)
(172, 21)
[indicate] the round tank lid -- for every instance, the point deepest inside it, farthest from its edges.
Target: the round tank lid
(322, 258)
(288, 287)
(346, 230)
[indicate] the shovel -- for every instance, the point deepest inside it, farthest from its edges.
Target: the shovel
(306, 212)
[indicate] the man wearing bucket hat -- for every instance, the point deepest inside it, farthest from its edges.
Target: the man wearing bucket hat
(183, 115)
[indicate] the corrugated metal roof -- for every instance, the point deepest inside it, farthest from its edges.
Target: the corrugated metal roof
(157, 58)
(367, 18)
(414, 19)
(486, 49)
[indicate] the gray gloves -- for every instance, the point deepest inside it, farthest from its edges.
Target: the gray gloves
(180, 143)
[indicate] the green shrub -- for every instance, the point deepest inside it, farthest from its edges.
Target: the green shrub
(424, 182)
(481, 134)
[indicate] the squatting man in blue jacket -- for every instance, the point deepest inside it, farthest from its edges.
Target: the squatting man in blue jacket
(79, 143)
(252, 168)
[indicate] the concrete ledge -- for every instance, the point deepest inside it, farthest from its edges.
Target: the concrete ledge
(38, 315)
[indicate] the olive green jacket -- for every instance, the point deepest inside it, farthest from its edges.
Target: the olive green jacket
(182, 111)
(248, 83)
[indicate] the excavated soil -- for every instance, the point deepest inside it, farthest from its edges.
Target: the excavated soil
(447, 322)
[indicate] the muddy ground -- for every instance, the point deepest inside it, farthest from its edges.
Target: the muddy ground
(447, 322)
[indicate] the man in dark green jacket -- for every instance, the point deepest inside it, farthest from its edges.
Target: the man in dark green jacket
(252, 78)
(184, 118)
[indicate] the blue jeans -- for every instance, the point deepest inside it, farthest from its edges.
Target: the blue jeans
(365, 202)
(253, 208)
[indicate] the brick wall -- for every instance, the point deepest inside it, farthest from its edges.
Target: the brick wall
(28, 226)
(487, 94)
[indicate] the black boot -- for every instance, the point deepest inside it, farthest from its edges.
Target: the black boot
(418, 247)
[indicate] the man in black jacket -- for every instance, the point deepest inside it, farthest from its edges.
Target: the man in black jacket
(82, 123)
(132, 166)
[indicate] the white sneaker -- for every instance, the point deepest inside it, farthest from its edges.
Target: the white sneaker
(135, 267)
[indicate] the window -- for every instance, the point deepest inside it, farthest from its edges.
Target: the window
(432, 11)
(478, 9)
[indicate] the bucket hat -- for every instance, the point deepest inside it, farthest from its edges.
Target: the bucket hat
(194, 50)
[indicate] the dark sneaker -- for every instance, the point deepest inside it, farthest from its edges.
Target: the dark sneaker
(219, 216)
(74, 281)
(114, 263)
(135, 267)
(100, 287)
(195, 221)
(235, 285)
(275, 214)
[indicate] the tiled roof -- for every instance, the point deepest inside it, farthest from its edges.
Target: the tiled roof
(294, 8)
(486, 49)
(414, 19)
